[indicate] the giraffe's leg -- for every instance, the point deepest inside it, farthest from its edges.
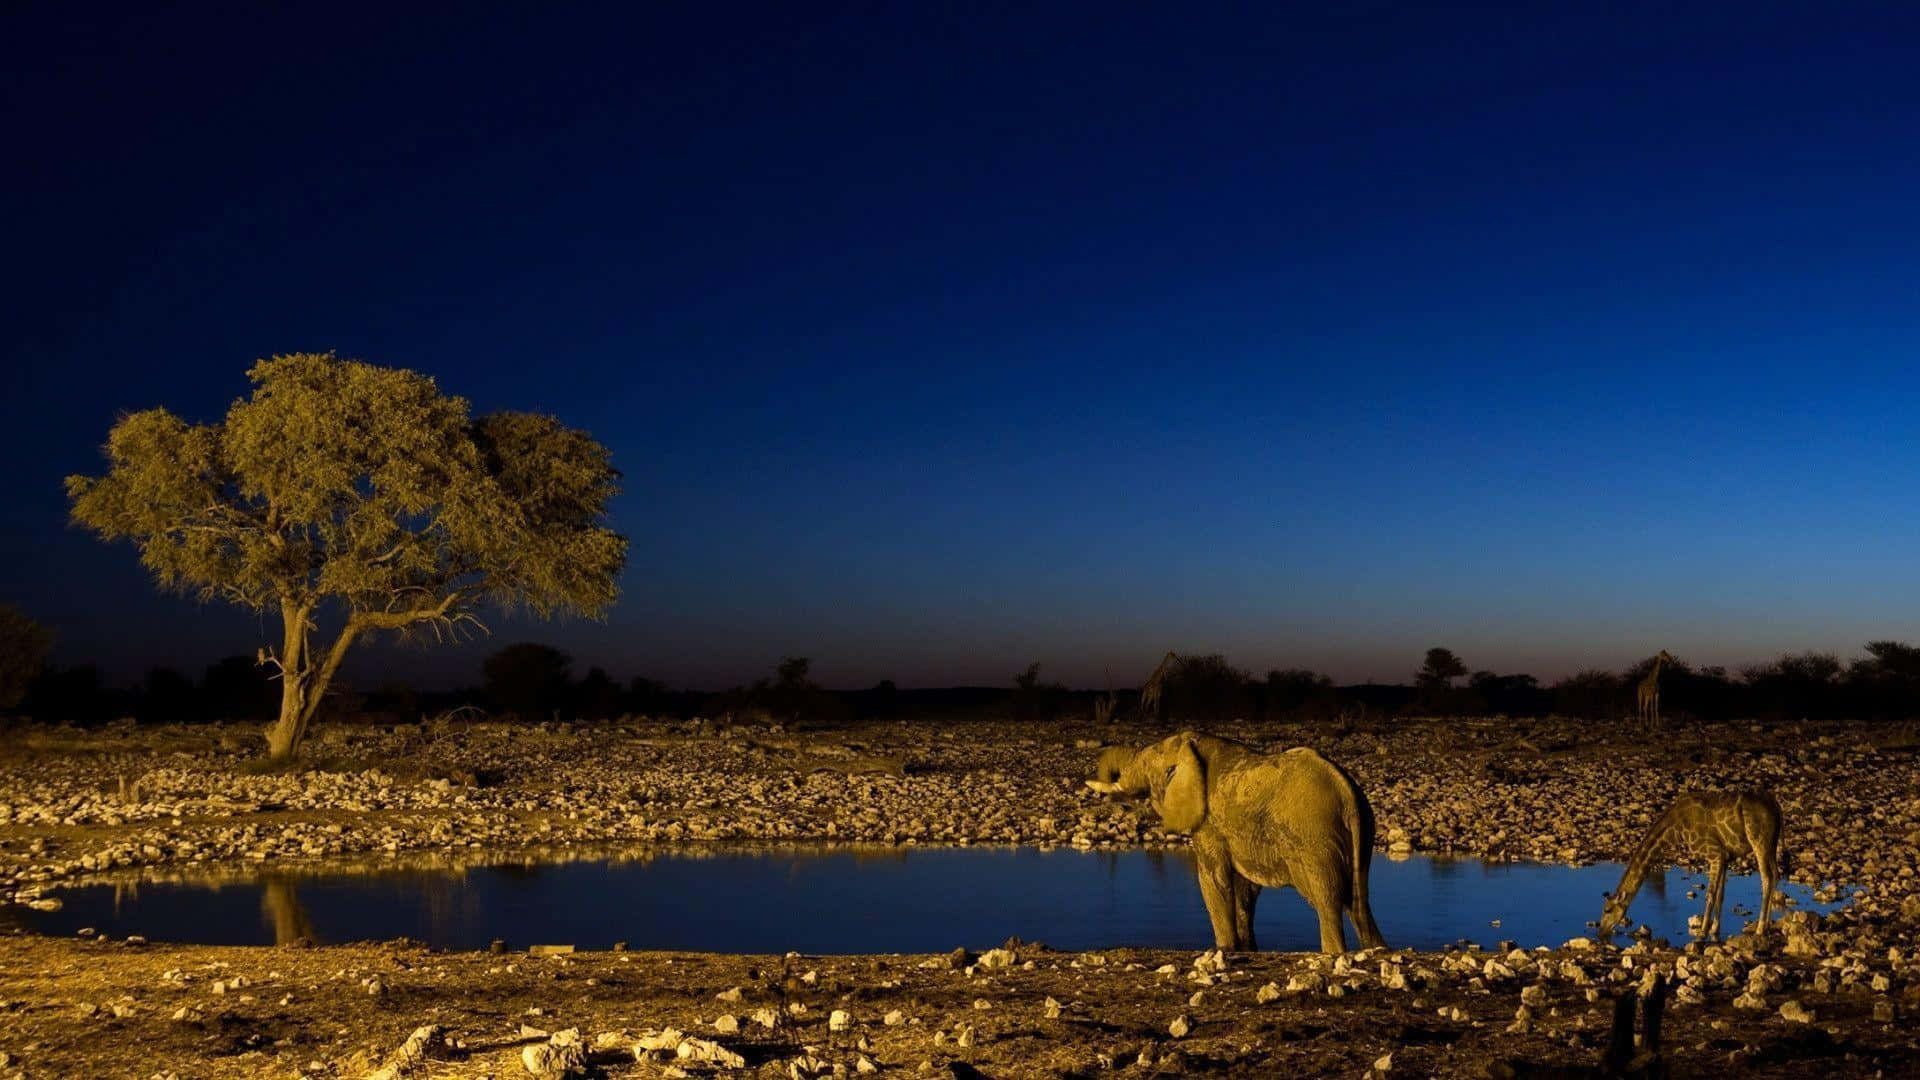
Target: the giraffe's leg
(1716, 892)
(1768, 860)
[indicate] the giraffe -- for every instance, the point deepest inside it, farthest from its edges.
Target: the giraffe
(1650, 692)
(1719, 827)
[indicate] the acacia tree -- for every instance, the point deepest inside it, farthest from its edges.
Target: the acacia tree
(363, 497)
(1441, 668)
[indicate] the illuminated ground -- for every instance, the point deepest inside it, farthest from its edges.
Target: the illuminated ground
(1549, 790)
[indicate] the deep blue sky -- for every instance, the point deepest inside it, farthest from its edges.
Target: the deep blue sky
(932, 344)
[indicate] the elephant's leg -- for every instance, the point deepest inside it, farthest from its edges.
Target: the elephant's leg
(1361, 908)
(1245, 895)
(1327, 898)
(1217, 889)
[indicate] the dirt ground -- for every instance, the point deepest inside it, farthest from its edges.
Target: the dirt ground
(1831, 996)
(76, 1008)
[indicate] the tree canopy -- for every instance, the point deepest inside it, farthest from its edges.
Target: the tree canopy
(1440, 669)
(362, 492)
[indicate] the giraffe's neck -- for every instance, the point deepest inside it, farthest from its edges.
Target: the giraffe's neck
(1641, 861)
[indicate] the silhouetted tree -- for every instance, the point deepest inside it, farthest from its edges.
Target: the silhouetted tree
(1299, 694)
(1441, 668)
(167, 697)
(24, 646)
(597, 697)
(789, 697)
(786, 696)
(1705, 693)
(1205, 689)
(361, 492)
(528, 679)
(395, 699)
(1509, 695)
(72, 695)
(1034, 700)
(237, 688)
(1593, 694)
(645, 697)
(1797, 685)
(882, 700)
(1886, 682)
(1434, 680)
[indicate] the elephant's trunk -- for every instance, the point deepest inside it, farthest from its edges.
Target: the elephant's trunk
(1110, 773)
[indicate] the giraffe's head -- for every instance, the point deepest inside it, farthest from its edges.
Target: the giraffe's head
(1665, 657)
(1612, 914)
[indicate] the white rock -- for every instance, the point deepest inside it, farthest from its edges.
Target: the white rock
(692, 1049)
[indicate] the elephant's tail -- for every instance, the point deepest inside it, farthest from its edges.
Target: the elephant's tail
(1360, 830)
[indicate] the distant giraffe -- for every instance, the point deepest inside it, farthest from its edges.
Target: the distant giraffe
(1718, 827)
(1650, 692)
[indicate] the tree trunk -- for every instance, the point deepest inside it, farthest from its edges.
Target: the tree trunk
(283, 738)
(302, 685)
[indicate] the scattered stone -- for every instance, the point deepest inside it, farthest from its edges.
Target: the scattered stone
(561, 1054)
(411, 1055)
(708, 1052)
(659, 1042)
(1181, 1025)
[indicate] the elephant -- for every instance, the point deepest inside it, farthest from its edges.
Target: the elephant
(1258, 820)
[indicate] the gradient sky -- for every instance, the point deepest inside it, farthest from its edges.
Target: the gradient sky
(931, 344)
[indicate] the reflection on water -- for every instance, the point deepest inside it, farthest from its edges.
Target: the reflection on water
(768, 899)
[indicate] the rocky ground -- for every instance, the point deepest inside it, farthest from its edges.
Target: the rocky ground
(1831, 996)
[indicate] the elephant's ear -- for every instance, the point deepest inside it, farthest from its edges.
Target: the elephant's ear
(1184, 806)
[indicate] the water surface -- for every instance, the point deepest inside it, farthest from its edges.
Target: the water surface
(839, 900)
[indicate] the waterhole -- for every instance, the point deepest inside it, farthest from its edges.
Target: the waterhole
(841, 900)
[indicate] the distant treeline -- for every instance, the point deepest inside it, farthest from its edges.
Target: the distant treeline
(534, 682)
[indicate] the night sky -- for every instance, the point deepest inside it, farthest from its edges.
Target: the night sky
(934, 343)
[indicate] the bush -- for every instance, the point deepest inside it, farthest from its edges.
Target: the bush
(1593, 694)
(1300, 695)
(24, 645)
(1206, 690)
(528, 679)
(1033, 700)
